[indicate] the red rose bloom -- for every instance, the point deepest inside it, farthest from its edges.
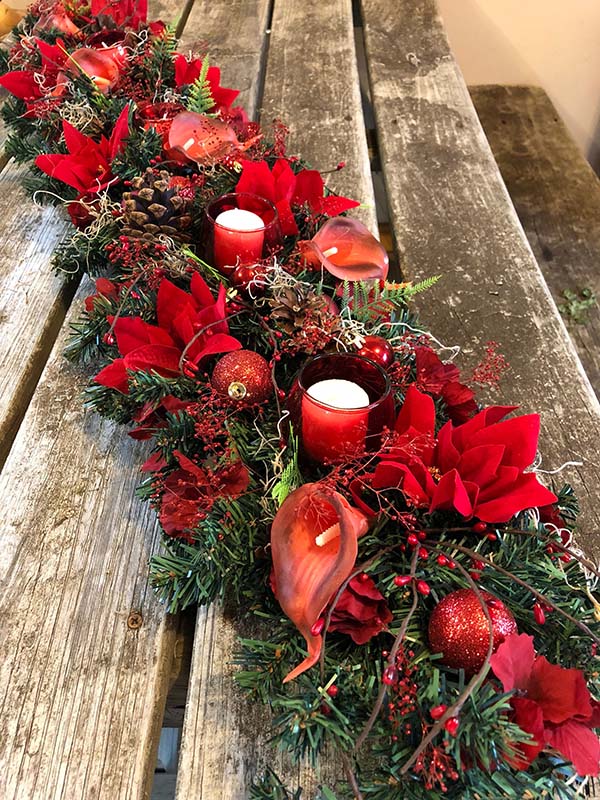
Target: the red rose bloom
(551, 703)
(476, 469)
(442, 380)
(362, 611)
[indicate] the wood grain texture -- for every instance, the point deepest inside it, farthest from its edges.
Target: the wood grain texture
(234, 35)
(81, 693)
(312, 84)
(556, 194)
(452, 216)
(224, 742)
(33, 300)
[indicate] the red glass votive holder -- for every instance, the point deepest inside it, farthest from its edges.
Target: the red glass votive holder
(240, 229)
(328, 432)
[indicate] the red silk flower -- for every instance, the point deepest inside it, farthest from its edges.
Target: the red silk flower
(361, 612)
(551, 703)
(442, 380)
(47, 80)
(314, 546)
(125, 13)
(476, 469)
(285, 190)
(190, 491)
(187, 71)
(194, 321)
(87, 167)
(104, 288)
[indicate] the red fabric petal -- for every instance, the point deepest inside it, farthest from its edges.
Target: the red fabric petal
(513, 661)
(256, 178)
(528, 716)
(22, 84)
(561, 693)
(154, 358)
(114, 376)
(335, 204)
(451, 494)
(578, 744)
(526, 492)
(518, 435)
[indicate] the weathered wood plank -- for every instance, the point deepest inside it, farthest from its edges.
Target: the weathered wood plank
(216, 759)
(234, 35)
(82, 687)
(556, 194)
(224, 738)
(33, 301)
(452, 216)
(312, 85)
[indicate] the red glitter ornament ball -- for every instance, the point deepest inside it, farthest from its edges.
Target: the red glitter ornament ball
(243, 376)
(459, 629)
(378, 350)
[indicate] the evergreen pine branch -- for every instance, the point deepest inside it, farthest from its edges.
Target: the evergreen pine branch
(142, 147)
(200, 99)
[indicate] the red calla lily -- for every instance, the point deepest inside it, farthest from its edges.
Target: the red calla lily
(314, 547)
(203, 139)
(348, 250)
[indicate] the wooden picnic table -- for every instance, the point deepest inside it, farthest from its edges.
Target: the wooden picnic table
(88, 654)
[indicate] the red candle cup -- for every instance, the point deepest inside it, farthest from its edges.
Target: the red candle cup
(240, 229)
(339, 405)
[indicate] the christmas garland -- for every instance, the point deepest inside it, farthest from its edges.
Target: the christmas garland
(416, 600)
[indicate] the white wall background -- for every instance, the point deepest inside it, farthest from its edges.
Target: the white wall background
(554, 44)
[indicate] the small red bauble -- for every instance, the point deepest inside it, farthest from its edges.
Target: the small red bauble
(246, 274)
(378, 350)
(459, 629)
(243, 375)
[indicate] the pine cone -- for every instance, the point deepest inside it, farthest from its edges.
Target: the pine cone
(153, 207)
(294, 306)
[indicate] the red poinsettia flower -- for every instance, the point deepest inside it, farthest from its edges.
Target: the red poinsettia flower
(285, 190)
(442, 380)
(87, 167)
(189, 493)
(476, 469)
(314, 543)
(125, 13)
(47, 80)
(551, 703)
(188, 70)
(362, 611)
(194, 322)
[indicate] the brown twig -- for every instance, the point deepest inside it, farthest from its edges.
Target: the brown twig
(357, 571)
(455, 708)
(351, 776)
(477, 556)
(392, 656)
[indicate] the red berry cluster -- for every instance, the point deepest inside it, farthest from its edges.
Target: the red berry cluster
(402, 692)
(436, 768)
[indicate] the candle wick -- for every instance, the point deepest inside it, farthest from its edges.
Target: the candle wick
(331, 251)
(330, 533)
